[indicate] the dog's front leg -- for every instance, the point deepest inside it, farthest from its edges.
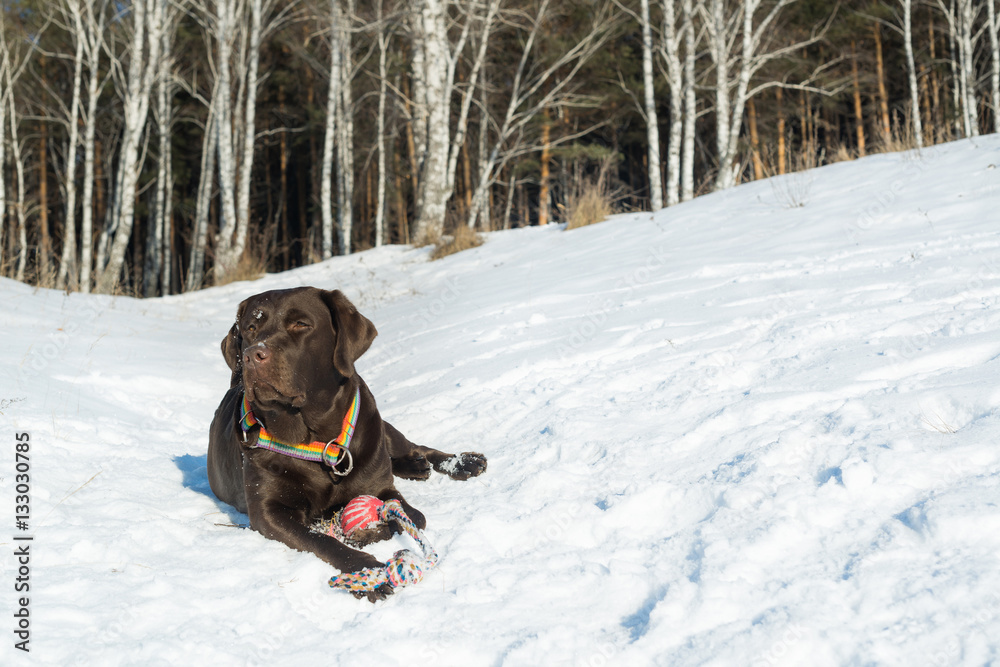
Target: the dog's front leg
(278, 522)
(411, 461)
(284, 524)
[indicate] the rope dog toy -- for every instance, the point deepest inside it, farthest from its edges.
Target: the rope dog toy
(404, 568)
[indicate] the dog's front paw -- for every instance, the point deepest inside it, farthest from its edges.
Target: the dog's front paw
(363, 561)
(380, 593)
(462, 466)
(412, 467)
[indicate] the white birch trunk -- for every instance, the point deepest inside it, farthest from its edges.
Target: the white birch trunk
(110, 218)
(463, 115)
(513, 103)
(249, 134)
(345, 140)
(418, 93)
(992, 29)
(3, 164)
(546, 89)
(235, 156)
(383, 74)
(225, 38)
(19, 205)
(674, 150)
(332, 105)
(675, 75)
(209, 148)
(66, 265)
(510, 202)
(434, 189)
(142, 74)
(167, 214)
(719, 51)
(94, 31)
(482, 150)
(911, 71)
(4, 92)
(961, 19)
(154, 251)
(690, 104)
(967, 53)
(956, 81)
(729, 169)
(157, 261)
(731, 95)
(652, 121)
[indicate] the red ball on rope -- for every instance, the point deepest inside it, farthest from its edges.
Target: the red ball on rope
(360, 513)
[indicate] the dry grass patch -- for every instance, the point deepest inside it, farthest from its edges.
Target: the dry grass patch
(591, 200)
(462, 239)
(592, 204)
(252, 265)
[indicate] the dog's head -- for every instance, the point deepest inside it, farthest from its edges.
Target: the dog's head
(287, 344)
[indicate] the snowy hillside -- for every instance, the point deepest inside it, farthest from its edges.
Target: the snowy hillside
(760, 428)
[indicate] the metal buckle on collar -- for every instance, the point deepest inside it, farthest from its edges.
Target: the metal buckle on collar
(343, 450)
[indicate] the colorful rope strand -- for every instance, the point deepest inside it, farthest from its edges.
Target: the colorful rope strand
(404, 568)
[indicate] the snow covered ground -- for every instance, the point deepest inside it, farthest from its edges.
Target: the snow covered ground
(760, 428)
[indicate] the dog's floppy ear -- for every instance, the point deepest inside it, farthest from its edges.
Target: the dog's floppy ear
(355, 332)
(232, 349)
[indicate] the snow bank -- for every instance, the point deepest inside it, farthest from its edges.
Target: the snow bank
(757, 428)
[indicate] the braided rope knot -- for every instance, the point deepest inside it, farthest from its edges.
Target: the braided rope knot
(406, 567)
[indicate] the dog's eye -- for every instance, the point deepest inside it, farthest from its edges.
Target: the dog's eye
(300, 326)
(251, 328)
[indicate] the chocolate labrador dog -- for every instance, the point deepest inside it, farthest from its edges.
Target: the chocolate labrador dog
(298, 434)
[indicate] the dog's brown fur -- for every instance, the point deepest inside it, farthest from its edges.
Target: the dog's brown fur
(292, 352)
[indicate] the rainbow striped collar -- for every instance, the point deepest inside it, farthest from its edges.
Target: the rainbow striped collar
(330, 453)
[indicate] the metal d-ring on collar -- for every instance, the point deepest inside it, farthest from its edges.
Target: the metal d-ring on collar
(343, 451)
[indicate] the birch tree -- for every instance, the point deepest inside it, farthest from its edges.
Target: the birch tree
(688, 11)
(148, 20)
(434, 65)
(91, 35)
(17, 156)
(156, 274)
(729, 25)
(652, 121)
(383, 80)
(961, 16)
(911, 70)
(462, 125)
(670, 49)
(240, 27)
(968, 12)
(14, 59)
(5, 84)
(203, 198)
(992, 28)
(228, 239)
(236, 121)
(72, 9)
(430, 74)
(345, 136)
(534, 89)
(333, 104)
(902, 24)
